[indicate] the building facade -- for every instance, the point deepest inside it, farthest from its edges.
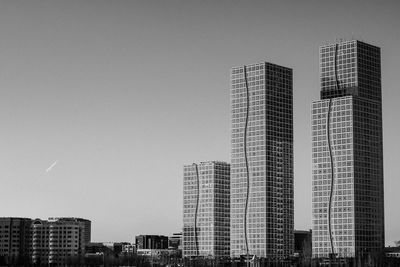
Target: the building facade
(58, 240)
(175, 241)
(67, 238)
(347, 153)
(206, 190)
(15, 240)
(40, 241)
(151, 242)
(128, 248)
(262, 161)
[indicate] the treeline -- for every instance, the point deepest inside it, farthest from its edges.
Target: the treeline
(97, 260)
(145, 261)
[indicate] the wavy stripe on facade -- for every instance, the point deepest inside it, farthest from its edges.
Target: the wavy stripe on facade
(246, 160)
(332, 176)
(197, 209)
(331, 154)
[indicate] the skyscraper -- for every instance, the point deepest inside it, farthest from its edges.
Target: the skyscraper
(206, 209)
(347, 156)
(262, 161)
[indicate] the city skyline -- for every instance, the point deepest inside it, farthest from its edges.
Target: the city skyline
(114, 99)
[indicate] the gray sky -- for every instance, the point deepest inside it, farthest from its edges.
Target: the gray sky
(123, 93)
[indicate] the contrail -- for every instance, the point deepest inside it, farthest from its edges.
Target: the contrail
(51, 166)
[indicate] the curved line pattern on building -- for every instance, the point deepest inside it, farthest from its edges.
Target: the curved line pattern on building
(197, 209)
(246, 160)
(332, 176)
(330, 154)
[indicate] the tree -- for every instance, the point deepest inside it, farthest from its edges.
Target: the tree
(3, 261)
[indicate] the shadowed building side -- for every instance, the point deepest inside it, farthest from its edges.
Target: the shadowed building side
(15, 241)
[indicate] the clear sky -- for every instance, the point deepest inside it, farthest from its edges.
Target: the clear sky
(121, 94)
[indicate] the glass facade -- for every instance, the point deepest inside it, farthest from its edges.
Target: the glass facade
(347, 155)
(206, 191)
(262, 161)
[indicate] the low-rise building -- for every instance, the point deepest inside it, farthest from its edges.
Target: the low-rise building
(302, 242)
(128, 248)
(151, 242)
(392, 252)
(175, 241)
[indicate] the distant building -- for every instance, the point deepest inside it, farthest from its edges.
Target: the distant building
(128, 248)
(115, 248)
(302, 242)
(151, 242)
(97, 248)
(68, 237)
(15, 240)
(59, 239)
(392, 252)
(206, 198)
(40, 241)
(123, 248)
(175, 241)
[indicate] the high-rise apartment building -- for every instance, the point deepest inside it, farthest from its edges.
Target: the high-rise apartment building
(262, 161)
(24, 241)
(67, 238)
(40, 241)
(206, 209)
(58, 240)
(15, 241)
(347, 156)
